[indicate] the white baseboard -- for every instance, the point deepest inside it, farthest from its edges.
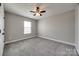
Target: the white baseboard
(77, 50)
(7, 42)
(68, 43)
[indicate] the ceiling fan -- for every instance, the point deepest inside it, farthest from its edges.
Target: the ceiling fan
(38, 12)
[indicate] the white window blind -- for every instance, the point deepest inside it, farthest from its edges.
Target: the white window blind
(27, 27)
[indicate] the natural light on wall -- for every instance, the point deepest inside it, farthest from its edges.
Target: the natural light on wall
(27, 27)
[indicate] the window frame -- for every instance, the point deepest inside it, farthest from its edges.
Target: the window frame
(28, 27)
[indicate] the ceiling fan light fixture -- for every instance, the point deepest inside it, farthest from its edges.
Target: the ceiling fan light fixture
(37, 14)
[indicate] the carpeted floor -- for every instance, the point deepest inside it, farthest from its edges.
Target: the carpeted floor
(38, 47)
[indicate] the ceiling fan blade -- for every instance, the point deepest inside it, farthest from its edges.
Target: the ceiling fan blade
(34, 15)
(32, 11)
(42, 11)
(40, 14)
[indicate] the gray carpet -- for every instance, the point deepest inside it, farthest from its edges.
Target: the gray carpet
(38, 47)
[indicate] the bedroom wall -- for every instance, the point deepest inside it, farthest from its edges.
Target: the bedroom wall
(59, 27)
(14, 27)
(77, 28)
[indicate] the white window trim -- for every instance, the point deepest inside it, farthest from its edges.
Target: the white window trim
(28, 27)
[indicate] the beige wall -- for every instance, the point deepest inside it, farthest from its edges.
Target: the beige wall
(77, 28)
(60, 27)
(15, 29)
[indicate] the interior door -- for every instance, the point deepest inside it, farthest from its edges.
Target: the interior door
(1, 29)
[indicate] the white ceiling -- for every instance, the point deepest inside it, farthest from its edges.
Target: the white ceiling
(51, 8)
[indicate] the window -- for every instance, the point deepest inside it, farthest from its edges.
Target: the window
(27, 27)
